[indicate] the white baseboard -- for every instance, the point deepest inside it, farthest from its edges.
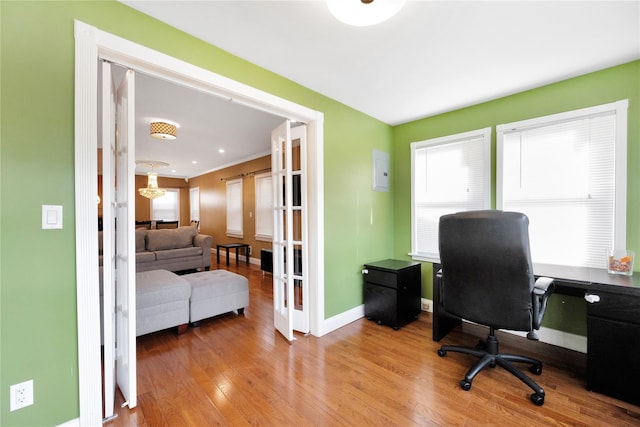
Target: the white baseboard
(558, 338)
(336, 322)
(546, 335)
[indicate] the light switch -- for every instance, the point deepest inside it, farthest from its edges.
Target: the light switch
(51, 216)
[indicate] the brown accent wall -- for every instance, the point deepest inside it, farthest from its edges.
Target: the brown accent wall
(213, 213)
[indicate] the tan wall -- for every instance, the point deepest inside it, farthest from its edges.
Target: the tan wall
(213, 214)
(143, 205)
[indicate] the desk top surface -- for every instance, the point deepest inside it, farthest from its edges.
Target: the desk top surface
(586, 278)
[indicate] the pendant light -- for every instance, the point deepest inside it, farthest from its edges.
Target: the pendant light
(362, 13)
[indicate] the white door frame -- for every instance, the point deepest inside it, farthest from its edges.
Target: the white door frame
(93, 44)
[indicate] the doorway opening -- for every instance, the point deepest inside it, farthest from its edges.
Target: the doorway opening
(92, 45)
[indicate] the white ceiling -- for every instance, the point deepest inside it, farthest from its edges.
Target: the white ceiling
(207, 124)
(432, 57)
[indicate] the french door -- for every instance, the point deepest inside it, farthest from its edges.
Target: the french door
(125, 241)
(119, 297)
(290, 225)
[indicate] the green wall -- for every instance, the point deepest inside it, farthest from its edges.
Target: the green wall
(38, 325)
(613, 84)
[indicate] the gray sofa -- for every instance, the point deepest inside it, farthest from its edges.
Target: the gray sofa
(174, 249)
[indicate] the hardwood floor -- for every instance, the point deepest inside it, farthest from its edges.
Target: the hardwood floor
(236, 370)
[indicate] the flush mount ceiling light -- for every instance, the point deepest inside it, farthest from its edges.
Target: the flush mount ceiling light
(163, 130)
(151, 191)
(361, 13)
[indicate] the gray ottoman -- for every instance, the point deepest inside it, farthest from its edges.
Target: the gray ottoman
(216, 292)
(162, 301)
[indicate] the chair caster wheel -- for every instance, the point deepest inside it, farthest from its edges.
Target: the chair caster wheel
(537, 399)
(465, 385)
(536, 369)
(442, 353)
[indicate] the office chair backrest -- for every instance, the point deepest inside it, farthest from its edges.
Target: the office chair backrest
(487, 270)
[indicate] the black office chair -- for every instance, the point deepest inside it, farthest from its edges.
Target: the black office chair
(487, 278)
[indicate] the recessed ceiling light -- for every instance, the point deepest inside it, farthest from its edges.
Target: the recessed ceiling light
(221, 150)
(173, 171)
(194, 161)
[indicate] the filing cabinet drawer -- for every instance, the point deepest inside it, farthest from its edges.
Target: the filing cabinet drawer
(618, 307)
(380, 277)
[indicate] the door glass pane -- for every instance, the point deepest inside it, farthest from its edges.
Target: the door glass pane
(297, 287)
(297, 225)
(297, 258)
(295, 155)
(282, 158)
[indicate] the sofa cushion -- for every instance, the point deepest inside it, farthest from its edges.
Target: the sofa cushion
(178, 253)
(215, 283)
(140, 239)
(159, 240)
(145, 256)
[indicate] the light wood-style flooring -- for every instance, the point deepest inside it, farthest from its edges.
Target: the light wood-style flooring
(237, 370)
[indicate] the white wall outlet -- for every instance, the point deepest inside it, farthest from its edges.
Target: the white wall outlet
(21, 395)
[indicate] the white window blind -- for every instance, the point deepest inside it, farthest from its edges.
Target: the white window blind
(194, 204)
(167, 207)
(234, 208)
(449, 174)
(264, 206)
(567, 173)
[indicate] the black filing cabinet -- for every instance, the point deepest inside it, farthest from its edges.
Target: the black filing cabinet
(392, 291)
(613, 346)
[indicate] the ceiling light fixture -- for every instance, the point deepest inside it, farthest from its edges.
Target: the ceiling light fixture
(163, 130)
(152, 191)
(362, 13)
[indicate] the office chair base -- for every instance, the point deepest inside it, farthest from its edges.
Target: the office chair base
(491, 357)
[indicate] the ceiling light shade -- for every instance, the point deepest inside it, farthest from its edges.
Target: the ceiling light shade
(361, 13)
(162, 130)
(151, 191)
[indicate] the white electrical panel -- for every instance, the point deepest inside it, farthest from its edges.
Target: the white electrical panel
(380, 171)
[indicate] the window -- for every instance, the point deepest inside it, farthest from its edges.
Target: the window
(167, 207)
(448, 174)
(234, 208)
(264, 207)
(194, 204)
(567, 173)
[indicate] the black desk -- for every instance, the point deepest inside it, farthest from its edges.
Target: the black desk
(613, 324)
(237, 247)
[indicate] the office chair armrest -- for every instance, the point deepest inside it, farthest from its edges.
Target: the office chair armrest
(541, 292)
(542, 285)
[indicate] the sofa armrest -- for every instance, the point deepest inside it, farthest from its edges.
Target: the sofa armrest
(204, 241)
